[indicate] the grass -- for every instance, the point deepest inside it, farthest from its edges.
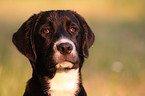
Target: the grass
(121, 43)
(115, 66)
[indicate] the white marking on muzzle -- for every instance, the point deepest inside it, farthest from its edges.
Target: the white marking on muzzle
(64, 40)
(57, 54)
(64, 65)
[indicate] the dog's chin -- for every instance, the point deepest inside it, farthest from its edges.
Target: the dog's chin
(66, 65)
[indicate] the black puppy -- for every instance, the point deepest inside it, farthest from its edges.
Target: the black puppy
(55, 42)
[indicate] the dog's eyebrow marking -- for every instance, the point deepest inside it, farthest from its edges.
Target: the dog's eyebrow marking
(64, 83)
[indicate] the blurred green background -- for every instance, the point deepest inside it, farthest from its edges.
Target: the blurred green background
(116, 65)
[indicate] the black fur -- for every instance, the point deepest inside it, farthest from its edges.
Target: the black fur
(38, 46)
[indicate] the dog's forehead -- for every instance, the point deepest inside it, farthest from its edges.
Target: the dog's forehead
(60, 17)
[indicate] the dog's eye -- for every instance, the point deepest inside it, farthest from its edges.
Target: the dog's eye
(46, 30)
(72, 29)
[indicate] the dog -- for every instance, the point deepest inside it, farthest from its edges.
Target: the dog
(56, 43)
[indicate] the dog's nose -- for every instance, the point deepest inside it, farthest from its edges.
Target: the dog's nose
(65, 48)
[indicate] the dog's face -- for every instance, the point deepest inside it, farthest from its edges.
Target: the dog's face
(54, 40)
(60, 36)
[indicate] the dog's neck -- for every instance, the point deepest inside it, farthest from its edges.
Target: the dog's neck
(64, 83)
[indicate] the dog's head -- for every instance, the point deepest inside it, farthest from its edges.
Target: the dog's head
(54, 40)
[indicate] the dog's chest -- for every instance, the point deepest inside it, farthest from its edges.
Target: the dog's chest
(64, 83)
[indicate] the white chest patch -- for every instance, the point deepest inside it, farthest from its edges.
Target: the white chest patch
(64, 83)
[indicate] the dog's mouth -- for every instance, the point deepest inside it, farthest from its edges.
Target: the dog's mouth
(66, 58)
(67, 64)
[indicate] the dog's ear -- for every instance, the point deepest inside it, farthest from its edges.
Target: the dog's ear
(88, 36)
(23, 38)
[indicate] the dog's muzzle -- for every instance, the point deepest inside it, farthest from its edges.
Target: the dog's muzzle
(65, 54)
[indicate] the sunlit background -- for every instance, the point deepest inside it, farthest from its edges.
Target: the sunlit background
(116, 65)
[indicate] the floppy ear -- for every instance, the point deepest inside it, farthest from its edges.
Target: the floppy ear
(23, 39)
(88, 36)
